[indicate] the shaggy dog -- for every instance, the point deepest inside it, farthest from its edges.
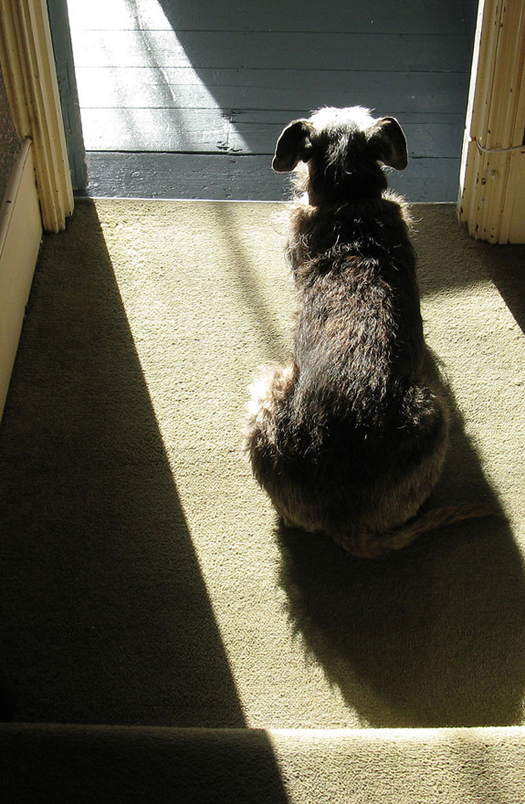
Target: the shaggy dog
(350, 437)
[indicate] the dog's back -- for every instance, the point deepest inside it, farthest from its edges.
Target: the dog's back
(349, 438)
(359, 331)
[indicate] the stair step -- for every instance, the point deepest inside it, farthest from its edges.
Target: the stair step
(79, 763)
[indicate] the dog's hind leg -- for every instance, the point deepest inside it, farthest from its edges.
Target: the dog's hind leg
(268, 393)
(269, 397)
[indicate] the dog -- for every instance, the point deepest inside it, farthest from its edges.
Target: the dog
(350, 437)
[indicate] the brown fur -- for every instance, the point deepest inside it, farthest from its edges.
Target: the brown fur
(350, 437)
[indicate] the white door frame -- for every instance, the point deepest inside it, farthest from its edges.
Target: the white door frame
(492, 177)
(28, 66)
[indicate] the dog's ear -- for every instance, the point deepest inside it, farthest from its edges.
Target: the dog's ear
(388, 142)
(293, 146)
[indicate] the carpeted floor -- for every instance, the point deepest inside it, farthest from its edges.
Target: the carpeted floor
(143, 579)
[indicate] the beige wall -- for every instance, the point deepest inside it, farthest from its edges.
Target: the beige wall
(9, 142)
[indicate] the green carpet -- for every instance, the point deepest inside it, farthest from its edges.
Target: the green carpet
(143, 579)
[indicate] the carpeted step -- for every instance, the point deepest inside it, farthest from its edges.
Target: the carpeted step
(88, 764)
(143, 579)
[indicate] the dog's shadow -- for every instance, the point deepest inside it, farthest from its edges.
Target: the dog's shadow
(431, 636)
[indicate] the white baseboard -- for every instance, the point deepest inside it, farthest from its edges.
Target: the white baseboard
(20, 238)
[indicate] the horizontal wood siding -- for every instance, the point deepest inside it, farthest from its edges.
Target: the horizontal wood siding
(203, 78)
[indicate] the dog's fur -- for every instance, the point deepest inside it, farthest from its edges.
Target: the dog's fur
(350, 437)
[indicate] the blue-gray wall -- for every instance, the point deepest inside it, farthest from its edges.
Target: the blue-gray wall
(470, 15)
(67, 86)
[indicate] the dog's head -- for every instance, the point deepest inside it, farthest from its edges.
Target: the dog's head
(344, 150)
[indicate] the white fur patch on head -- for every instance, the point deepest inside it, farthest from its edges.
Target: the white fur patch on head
(330, 116)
